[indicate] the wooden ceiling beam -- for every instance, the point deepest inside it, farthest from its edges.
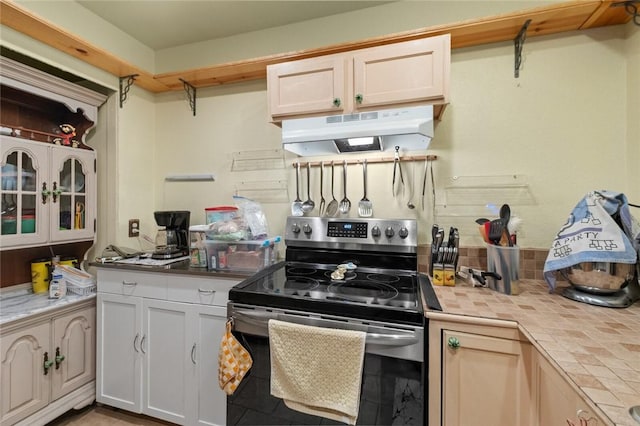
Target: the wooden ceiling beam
(561, 17)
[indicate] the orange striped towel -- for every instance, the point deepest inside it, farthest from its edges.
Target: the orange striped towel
(233, 362)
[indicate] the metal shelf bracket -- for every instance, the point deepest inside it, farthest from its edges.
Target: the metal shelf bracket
(518, 42)
(191, 95)
(631, 8)
(124, 89)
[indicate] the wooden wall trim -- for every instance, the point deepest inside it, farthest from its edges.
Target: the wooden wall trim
(557, 18)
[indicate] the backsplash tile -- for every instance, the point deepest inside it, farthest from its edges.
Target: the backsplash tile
(531, 260)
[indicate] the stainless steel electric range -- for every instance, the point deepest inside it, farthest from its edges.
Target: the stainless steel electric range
(357, 274)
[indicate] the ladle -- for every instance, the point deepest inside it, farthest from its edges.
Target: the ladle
(308, 205)
(410, 204)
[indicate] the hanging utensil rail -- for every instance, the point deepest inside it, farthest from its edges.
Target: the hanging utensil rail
(373, 160)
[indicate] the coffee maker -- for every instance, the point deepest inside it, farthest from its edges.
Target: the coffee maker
(176, 224)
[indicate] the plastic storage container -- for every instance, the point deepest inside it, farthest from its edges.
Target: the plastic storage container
(249, 255)
(220, 214)
(78, 282)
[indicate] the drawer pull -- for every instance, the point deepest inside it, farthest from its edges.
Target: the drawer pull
(59, 358)
(129, 283)
(46, 363)
(205, 291)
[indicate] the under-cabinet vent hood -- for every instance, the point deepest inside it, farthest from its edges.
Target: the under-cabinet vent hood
(409, 128)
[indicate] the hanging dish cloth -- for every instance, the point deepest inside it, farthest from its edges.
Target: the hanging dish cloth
(234, 361)
(591, 234)
(317, 370)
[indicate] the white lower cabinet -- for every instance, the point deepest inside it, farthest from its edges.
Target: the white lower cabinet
(160, 357)
(47, 365)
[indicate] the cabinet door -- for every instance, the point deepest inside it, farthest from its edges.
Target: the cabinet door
(308, 86)
(484, 380)
(73, 348)
(25, 168)
(206, 400)
(73, 182)
(166, 351)
(556, 402)
(412, 71)
(25, 385)
(119, 359)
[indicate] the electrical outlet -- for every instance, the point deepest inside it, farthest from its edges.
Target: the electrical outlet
(134, 227)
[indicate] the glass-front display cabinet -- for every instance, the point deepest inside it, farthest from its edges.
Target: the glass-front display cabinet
(48, 193)
(48, 181)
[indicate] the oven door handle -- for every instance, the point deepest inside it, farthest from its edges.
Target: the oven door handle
(262, 319)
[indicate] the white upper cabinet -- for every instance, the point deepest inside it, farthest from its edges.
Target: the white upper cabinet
(48, 193)
(407, 73)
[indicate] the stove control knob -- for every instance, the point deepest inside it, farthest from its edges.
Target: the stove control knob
(295, 228)
(389, 232)
(375, 231)
(403, 232)
(306, 228)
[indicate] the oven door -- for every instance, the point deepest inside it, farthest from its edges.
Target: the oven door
(393, 374)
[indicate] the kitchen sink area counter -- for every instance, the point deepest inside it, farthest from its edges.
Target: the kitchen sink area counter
(20, 303)
(596, 350)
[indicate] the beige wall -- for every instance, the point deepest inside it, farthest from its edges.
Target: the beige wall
(564, 127)
(633, 113)
(561, 126)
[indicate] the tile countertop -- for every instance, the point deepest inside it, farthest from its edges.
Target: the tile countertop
(597, 348)
(22, 302)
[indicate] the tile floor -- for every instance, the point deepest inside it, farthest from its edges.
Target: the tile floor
(100, 415)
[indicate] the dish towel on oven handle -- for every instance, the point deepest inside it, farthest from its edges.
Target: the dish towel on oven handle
(234, 361)
(592, 235)
(317, 370)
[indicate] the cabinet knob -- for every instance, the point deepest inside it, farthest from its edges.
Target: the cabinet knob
(59, 358)
(359, 98)
(453, 342)
(46, 364)
(337, 102)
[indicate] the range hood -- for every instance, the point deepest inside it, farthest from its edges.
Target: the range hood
(409, 128)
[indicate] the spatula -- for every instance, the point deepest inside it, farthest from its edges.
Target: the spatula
(365, 207)
(345, 203)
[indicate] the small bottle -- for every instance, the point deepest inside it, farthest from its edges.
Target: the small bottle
(58, 284)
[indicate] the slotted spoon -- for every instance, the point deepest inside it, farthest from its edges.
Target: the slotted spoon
(345, 203)
(332, 207)
(365, 207)
(296, 206)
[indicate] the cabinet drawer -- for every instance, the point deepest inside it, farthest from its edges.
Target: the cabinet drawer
(204, 291)
(141, 284)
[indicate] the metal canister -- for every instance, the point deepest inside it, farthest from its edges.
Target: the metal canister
(40, 275)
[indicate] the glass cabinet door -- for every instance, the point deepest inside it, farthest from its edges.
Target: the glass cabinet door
(73, 179)
(72, 195)
(24, 170)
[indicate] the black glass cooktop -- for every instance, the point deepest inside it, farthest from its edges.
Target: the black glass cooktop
(363, 292)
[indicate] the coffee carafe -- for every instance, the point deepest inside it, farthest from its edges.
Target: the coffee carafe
(176, 224)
